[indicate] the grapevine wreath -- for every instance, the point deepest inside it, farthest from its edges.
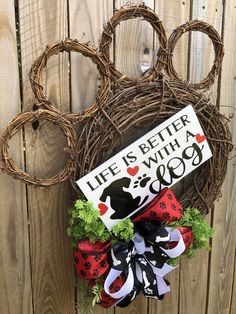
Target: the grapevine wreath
(139, 251)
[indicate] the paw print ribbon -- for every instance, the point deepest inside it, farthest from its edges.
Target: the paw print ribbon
(164, 207)
(91, 259)
(143, 264)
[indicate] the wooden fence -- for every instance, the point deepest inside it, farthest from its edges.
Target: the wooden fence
(36, 264)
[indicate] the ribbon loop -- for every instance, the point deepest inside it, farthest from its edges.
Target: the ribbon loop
(125, 289)
(179, 248)
(143, 262)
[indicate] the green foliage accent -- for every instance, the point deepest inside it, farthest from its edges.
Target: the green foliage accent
(124, 230)
(202, 231)
(97, 292)
(174, 261)
(85, 223)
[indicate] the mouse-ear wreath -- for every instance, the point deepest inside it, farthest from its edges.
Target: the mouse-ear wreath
(69, 45)
(124, 14)
(28, 118)
(207, 29)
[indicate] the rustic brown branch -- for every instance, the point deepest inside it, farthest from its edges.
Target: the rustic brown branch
(155, 102)
(69, 45)
(126, 13)
(29, 117)
(207, 29)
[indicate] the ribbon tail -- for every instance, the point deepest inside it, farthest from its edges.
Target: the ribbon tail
(162, 287)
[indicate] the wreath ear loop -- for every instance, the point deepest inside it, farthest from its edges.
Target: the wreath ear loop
(47, 111)
(165, 52)
(207, 29)
(28, 118)
(69, 45)
(124, 14)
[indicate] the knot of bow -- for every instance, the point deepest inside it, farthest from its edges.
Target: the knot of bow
(142, 262)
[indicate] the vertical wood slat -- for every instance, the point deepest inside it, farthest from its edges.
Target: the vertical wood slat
(86, 23)
(233, 294)
(131, 39)
(202, 50)
(15, 287)
(42, 22)
(221, 296)
(194, 272)
(173, 14)
(133, 43)
(53, 288)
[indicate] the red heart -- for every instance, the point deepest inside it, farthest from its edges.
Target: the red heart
(200, 138)
(103, 208)
(132, 171)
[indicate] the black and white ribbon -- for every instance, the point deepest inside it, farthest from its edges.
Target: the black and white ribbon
(144, 266)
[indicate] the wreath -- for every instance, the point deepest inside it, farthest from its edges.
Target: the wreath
(139, 251)
(136, 254)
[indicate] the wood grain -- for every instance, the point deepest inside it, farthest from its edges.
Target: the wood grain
(42, 22)
(193, 283)
(233, 295)
(224, 241)
(173, 14)
(15, 287)
(194, 273)
(86, 23)
(202, 51)
(36, 264)
(134, 54)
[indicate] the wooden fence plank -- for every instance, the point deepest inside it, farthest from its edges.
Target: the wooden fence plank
(86, 23)
(202, 50)
(173, 14)
(134, 43)
(194, 273)
(133, 38)
(47, 252)
(224, 241)
(233, 296)
(42, 22)
(15, 287)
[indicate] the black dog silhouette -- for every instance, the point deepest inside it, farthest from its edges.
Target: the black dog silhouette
(122, 202)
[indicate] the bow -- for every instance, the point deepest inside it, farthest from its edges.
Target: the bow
(143, 262)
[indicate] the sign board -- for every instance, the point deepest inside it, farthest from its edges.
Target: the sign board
(128, 181)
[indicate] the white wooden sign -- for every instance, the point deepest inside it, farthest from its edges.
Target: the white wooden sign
(128, 181)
